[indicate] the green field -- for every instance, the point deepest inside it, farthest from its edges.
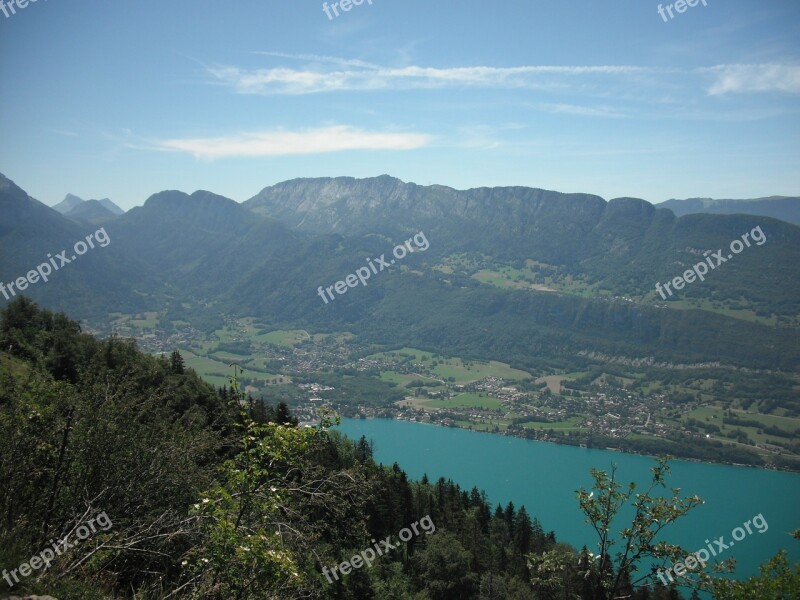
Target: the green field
(466, 401)
(203, 363)
(533, 276)
(488, 425)
(283, 338)
(788, 423)
(416, 355)
(707, 412)
(475, 370)
(743, 314)
(404, 379)
(248, 325)
(568, 425)
(701, 412)
(207, 368)
(461, 371)
(229, 357)
(147, 320)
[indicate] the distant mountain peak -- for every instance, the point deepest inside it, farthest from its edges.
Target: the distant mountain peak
(91, 211)
(71, 201)
(177, 199)
(785, 208)
(203, 209)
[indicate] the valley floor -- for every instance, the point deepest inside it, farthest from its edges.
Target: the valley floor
(701, 414)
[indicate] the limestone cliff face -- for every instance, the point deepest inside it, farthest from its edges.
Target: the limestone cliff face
(503, 221)
(351, 206)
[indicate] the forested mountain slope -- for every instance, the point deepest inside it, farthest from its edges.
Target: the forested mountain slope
(195, 257)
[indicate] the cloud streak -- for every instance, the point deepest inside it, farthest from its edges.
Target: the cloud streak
(755, 78)
(325, 74)
(359, 76)
(281, 142)
(581, 111)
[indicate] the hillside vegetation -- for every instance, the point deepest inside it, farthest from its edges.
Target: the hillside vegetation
(205, 493)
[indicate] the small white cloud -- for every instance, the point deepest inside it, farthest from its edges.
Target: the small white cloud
(755, 78)
(582, 111)
(282, 143)
(319, 58)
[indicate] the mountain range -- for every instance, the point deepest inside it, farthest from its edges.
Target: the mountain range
(512, 273)
(88, 211)
(785, 208)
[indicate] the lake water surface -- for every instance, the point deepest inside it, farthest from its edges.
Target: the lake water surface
(544, 476)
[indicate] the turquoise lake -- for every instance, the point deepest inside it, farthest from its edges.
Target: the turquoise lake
(544, 477)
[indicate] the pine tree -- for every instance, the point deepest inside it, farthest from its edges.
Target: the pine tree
(522, 532)
(283, 416)
(176, 363)
(509, 515)
(363, 450)
(538, 538)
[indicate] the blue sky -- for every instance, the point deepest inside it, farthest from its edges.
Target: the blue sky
(125, 98)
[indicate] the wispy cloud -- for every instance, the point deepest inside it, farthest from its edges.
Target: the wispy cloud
(320, 58)
(358, 75)
(281, 142)
(581, 111)
(755, 78)
(321, 74)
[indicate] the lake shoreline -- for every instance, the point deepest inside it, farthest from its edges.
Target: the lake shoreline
(561, 442)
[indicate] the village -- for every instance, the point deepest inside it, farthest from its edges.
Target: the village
(411, 387)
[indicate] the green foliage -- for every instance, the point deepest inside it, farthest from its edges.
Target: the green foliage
(778, 580)
(105, 428)
(443, 568)
(638, 540)
(241, 551)
(359, 389)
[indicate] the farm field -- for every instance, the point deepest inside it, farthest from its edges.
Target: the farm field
(209, 369)
(465, 401)
(473, 371)
(415, 354)
(283, 338)
(405, 378)
(568, 425)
